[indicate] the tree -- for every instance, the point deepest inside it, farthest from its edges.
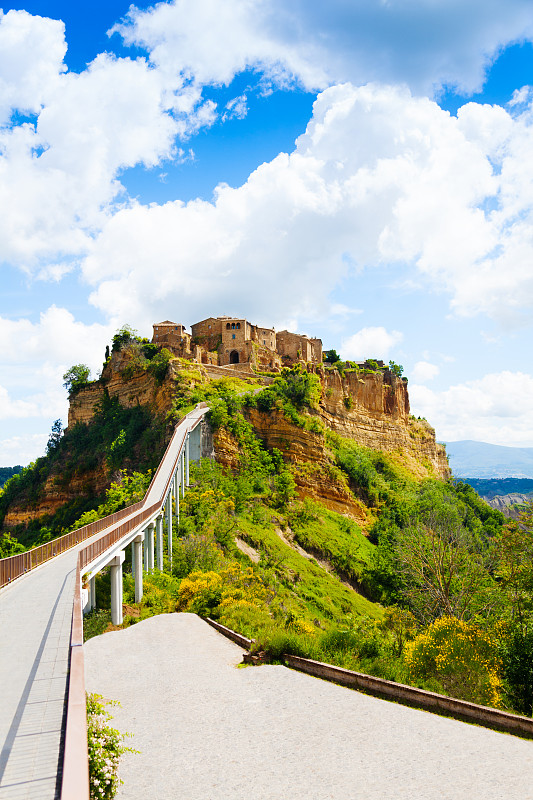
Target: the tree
(330, 357)
(124, 336)
(514, 545)
(396, 369)
(517, 668)
(443, 563)
(55, 437)
(76, 377)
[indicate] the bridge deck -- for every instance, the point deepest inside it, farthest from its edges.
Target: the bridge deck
(209, 731)
(35, 624)
(35, 621)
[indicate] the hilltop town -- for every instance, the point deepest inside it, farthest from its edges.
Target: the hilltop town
(223, 341)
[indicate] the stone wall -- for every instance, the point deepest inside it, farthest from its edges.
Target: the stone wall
(294, 347)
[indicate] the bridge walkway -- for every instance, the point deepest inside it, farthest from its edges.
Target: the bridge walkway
(35, 627)
(35, 635)
(209, 731)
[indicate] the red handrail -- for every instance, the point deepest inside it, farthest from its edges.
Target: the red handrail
(15, 566)
(75, 779)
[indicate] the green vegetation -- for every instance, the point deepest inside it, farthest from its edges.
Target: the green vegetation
(330, 357)
(129, 437)
(396, 369)
(453, 610)
(105, 747)
(76, 378)
(7, 472)
(128, 490)
(124, 336)
(433, 587)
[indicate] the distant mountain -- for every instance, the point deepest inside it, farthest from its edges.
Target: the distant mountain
(490, 488)
(7, 472)
(470, 459)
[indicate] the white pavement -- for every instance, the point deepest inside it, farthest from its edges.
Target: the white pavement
(35, 623)
(209, 731)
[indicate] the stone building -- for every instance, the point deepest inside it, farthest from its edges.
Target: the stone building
(237, 341)
(225, 341)
(169, 333)
(294, 347)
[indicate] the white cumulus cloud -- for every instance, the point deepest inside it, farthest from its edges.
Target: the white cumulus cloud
(424, 371)
(425, 44)
(370, 343)
(497, 408)
(379, 177)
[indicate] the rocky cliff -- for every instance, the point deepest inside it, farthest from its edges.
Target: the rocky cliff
(370, 408)
(131, 387)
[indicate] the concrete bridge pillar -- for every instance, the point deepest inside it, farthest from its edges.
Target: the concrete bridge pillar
(169, 524)
(92, 593)
(116, 588)
(159, 541)
(182, 473)
(187, 459)
(195, 437)
(149, 537)
(137, 566)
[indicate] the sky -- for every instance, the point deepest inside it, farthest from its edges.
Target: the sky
(359, 171)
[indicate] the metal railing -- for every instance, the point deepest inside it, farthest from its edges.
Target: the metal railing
(15, 566)
(75, 778)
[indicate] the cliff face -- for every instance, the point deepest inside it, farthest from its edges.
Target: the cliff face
(374, 412)
(364, 408)
(140, 388)
(56, 494)
(372, 409)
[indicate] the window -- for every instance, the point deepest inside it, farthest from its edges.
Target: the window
(228, 326)
(233, 336)
(232, 326)
(238, 325)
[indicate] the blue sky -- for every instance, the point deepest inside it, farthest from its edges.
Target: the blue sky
(362, 175)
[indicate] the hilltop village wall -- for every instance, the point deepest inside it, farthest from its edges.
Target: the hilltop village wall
(225, 341)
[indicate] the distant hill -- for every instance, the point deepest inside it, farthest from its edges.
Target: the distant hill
(469, 459)
(498, 487)
(7, 472)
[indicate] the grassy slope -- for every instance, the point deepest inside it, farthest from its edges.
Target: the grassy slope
(317, 593)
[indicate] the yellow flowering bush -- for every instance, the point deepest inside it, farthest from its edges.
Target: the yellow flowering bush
(298, 624)
(461, 656)
(203, 592)
(196, 585)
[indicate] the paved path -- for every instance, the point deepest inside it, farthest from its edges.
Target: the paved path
(209, 731)
(35, 622)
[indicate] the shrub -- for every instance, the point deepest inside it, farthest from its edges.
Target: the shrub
(460, 656)
(517, 670)
(76, 378)
(105, 747)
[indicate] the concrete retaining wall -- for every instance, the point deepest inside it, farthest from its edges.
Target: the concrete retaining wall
(242, 641)
(399, 692)
(409, 695)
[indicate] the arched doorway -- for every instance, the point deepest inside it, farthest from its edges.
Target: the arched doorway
(234, 357)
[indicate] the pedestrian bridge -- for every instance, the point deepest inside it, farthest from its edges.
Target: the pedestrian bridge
(43, 595)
